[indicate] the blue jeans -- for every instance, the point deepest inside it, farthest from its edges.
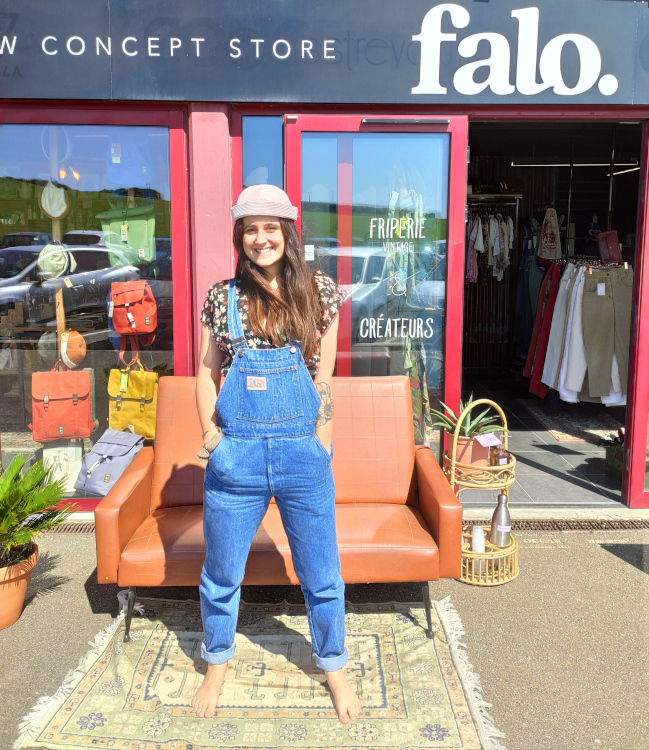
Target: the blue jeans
(242, 475)
(267, 410)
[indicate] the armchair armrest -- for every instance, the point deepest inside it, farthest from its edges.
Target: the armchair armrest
(441, 510)
(121, 512)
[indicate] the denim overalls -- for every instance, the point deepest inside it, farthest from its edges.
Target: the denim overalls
(267, 410)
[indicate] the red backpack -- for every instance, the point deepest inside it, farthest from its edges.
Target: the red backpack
(133, 310)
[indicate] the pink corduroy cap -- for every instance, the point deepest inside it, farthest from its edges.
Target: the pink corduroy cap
(263, 200)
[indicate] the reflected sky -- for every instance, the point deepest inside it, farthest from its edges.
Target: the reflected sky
(90, 157)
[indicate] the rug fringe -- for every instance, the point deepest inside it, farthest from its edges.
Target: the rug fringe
(48, 705)
(454, 630)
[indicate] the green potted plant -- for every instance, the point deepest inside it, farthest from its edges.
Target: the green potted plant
(469, 451)
(27, 509)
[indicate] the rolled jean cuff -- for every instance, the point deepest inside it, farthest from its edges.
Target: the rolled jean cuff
(331, 663)
(219, 658)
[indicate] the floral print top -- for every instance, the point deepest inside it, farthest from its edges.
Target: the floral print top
(215, 315)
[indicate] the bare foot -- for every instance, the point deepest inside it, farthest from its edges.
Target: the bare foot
(345, 700)
(207, 696)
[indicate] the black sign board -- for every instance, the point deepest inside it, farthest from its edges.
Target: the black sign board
(328, 51)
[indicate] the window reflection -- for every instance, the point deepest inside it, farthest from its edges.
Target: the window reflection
(81, 208)
(263, 152)
(392, 258)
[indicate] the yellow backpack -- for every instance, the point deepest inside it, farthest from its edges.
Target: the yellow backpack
(132, 397)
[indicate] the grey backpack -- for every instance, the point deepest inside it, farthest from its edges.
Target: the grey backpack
(104, 464)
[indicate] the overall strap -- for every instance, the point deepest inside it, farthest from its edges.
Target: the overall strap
(235, 327)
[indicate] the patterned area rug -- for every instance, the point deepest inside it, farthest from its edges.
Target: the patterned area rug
(572, 426)
(415, 692)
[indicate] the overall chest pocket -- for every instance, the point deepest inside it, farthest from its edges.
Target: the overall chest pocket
(269, 395)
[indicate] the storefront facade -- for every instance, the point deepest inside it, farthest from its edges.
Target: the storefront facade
(361, 114)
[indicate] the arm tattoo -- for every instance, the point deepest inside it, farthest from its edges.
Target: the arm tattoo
(326, 410)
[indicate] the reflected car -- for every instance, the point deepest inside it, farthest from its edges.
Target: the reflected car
(84, 291)
(24, 239)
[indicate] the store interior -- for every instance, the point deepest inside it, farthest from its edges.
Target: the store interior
(519, 175)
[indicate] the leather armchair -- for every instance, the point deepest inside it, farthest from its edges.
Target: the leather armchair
(397, 518)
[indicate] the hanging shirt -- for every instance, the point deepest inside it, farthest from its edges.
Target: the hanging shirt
(550, 248)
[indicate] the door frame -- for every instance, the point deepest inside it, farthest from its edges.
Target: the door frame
(457, 128)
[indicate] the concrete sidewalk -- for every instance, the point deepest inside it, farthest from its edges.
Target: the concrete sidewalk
(562, 651)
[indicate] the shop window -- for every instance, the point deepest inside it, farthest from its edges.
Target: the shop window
(263, 152)
(82, 208)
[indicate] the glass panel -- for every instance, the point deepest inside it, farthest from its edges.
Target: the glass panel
(82, 207)
(263, 151)
(391, 257)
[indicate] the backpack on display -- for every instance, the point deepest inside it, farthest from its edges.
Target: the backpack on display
(133, 310)
(104, 464)
(61, 405)
(132, 399)
(129, 233)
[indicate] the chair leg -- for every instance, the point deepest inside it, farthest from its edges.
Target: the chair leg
(425, 595)
(129, 614)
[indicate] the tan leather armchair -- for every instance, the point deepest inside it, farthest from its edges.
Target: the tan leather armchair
(397, 518)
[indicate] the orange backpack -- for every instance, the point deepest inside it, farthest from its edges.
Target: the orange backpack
(133, 310)
(61, 405)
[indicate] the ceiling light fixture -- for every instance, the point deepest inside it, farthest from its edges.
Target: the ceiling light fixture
(535, 163)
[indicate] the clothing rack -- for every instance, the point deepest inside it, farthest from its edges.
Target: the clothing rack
(488, 310)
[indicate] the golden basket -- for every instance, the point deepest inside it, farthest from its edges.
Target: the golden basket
(463, 476)
(492, 567)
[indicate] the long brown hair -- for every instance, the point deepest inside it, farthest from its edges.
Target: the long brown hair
(296, 312)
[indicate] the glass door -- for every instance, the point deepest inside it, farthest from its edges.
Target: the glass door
(382, 211)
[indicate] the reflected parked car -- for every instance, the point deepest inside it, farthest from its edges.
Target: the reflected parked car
(24, 239)
(84, 290)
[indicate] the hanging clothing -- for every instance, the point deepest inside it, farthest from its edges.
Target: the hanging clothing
(538, 319)
(557, 329)
(571, 396)
(536, 386)
(550, 248)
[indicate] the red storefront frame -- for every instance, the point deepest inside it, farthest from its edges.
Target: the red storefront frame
(51, 113)
(634, 493)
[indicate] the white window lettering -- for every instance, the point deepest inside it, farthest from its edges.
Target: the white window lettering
(236, 50)
(152, 44)
(412, 328)
(429, 328)
(497, 62)
(372, 328)
(388, 328)
(362, 332)
(422, 223)
(10, 45)
(329, 47)
(124, 50)
(590, 64)
(49, 51)
(372, 222)
(404, 323)
(379, 323)
(174, 43)
(307, 46)
(381, 233)
(99, 43)
(257, 42)
(287, 52)
(197, 41)
(420, 328)
(430, 38)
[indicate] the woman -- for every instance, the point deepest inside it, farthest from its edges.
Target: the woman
(263, 328)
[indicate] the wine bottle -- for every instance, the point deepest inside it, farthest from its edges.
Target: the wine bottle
(501, 523)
